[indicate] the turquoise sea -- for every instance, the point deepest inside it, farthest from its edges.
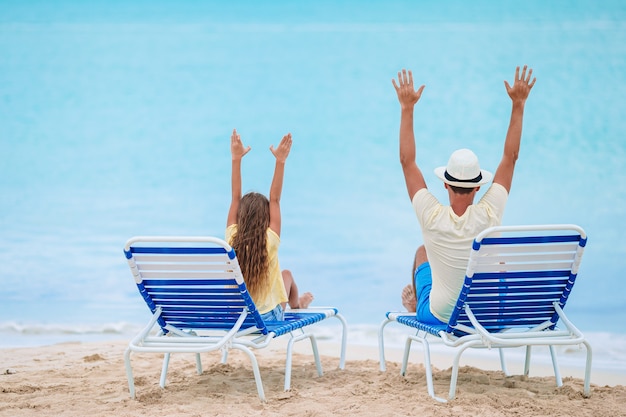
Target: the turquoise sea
(115, 119)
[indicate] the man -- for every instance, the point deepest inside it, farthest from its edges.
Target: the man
(448, 231)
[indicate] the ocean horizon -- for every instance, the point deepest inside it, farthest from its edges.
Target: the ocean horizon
(115, 121)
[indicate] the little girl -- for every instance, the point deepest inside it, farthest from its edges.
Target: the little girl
(253, 230)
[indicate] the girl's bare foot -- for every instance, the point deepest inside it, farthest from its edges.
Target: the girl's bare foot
(408, 299)
(305, 299)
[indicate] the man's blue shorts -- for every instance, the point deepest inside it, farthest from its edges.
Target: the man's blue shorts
(423, 285)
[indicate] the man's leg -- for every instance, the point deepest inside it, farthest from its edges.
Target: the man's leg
(423, 285)
(408, 299)
(409, 293)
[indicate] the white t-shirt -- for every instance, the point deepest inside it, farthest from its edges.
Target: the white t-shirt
(448, 241)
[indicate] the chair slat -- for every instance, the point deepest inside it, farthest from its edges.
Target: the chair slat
(219, 257)
(186, 274)
(536, 282)
(491, 250)
(213, 289)
(524, 266)
(191, 266)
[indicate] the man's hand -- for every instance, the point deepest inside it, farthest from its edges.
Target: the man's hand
(282, 152)
(521, 86)
(406, 93)
(237, 149)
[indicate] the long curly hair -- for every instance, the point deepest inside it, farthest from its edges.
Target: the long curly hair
(250, 242)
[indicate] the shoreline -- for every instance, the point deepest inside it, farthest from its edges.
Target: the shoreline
(75, 378)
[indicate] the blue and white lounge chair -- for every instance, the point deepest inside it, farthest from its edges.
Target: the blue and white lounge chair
(517, 282)
(199, 303)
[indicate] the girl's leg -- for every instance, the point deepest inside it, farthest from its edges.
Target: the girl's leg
(295, 300)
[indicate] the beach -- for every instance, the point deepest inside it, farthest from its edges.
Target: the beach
(78, 379)
(115, 121)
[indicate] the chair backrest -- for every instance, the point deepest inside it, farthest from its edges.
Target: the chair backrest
(515, 275)
(196, 281)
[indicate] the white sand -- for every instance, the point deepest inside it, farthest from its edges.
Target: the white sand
(88, 379)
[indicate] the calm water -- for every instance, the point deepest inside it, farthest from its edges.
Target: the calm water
(115, 120)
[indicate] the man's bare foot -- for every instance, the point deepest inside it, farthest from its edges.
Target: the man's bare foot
(408, 299)
(305, 299)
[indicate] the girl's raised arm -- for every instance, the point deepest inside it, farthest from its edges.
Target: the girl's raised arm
(280, 153)
(237, 151)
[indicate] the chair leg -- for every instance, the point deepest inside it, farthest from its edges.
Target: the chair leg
(166, 362)
(503, 362)
(405, 355)
(198, 364)
(255, 370)
(344, 340)
(316, 356)
(587, 387)
(455, 370)
(381, 345)
(129, 373)
(428, 368)
(555, 365)
(427, 365)
(527, 360)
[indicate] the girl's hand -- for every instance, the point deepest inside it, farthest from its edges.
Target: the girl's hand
(237, 149)
(282, 152)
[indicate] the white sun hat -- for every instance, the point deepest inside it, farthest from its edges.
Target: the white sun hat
(463, 170)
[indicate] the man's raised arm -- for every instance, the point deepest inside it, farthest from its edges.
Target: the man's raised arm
(407, 96)
(518, 94)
